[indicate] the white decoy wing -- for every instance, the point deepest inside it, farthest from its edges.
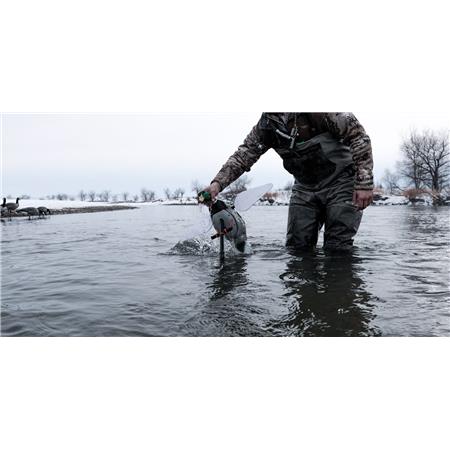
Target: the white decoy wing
(246, 199)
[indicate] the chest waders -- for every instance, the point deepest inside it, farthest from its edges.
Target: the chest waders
(322, 194)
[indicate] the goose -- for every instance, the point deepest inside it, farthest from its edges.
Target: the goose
(11, 207)
(43, 211)
(30, 211)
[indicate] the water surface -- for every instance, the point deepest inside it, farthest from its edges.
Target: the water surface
(126, 273)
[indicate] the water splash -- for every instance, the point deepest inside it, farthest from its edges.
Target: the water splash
(195, 247)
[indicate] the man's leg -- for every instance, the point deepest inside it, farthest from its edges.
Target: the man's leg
(304, 220)
(342, 218)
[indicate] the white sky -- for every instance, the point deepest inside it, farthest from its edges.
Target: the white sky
(52, 153)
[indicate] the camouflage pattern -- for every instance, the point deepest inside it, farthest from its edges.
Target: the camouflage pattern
(274, 129)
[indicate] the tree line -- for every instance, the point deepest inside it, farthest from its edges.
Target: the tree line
(148, 195)
(145, 195)
(424, 166)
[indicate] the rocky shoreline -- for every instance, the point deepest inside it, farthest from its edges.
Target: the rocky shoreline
(91, 209)
(79, 210)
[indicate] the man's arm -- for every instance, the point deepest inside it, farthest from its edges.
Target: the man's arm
(347, 128)
(240, 161)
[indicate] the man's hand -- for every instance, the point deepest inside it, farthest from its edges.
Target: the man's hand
(213, 189)
(362, 198)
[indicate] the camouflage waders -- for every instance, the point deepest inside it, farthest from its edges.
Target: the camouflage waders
(322, 194)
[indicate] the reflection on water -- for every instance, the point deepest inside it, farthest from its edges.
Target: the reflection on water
(130, 273)
(228, 277)
(330, 299)
(227, 306)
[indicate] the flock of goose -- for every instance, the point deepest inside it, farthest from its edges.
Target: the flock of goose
(13, 208)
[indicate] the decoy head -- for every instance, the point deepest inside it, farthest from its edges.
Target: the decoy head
(4, 201)
(17, 200)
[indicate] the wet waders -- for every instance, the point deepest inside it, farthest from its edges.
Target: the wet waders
(322, 193)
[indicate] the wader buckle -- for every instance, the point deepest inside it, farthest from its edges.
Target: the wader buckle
(290, 137)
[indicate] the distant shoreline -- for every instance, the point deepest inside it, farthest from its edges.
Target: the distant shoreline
(78, 210)
(61, 207)
(91, 209)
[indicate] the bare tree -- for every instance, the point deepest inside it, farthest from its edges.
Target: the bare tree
(91, 196)
(105, 195)
(411, 166)
(196, 186)
(435, 159)
(426, 161)
(60, 197)
(178, 192)
(147, 195)
(167, 193)
(391, 181)
(125, 196)
(237, 187)
(114, 198)
(82, 195)
(135, 198)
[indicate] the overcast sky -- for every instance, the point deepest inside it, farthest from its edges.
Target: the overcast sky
(61, 153)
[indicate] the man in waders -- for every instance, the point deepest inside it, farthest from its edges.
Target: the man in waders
(330, 156)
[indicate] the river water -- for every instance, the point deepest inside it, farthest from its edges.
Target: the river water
(130, 273)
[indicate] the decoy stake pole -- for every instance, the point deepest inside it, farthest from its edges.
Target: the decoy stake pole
(222, 236)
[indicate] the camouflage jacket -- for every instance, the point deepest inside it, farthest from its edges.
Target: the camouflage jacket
(266, 134)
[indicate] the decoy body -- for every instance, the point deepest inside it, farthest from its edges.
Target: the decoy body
(43, 211)
(30, 211)
(40, 211)
(11, 207)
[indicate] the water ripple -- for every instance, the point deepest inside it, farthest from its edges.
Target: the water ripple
(129, 274)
